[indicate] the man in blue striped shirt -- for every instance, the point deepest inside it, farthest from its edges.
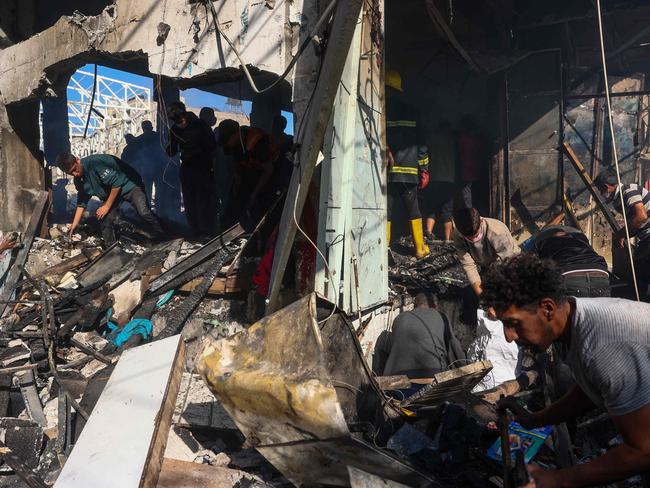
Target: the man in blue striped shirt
(608, 350)
(637, 208)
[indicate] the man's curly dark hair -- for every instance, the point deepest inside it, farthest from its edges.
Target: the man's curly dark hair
(522, 280)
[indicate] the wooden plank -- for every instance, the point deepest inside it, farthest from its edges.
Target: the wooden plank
(393, 382)
(124, 439)
(232, 283)
(443, 29)
(586, 179)
(182, 474)
(13, 277)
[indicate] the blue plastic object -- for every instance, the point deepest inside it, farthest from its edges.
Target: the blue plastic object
(119, 336)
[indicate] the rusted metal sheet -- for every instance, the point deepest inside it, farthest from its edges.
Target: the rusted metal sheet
(272, 379)
(295, 386)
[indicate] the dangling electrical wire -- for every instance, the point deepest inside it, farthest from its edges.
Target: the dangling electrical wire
(614, 150)
(314, 32)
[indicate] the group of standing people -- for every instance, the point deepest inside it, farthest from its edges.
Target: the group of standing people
(251, 167)
(430, 175)
(228, 174)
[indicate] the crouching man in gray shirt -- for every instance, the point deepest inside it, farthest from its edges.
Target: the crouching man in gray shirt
(608, 343)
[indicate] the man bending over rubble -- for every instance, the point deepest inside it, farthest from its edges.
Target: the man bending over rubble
(479, 242)
(608, 343)
(111, 180)
(420, 344)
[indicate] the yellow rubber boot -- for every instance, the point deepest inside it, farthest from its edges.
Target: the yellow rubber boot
(388, 233)
(421, 249)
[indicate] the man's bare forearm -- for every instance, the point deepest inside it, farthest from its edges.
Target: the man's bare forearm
(570, 406)
(112, 196)
(79, 212)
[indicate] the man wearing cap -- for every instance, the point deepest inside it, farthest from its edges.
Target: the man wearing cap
(194, 139)
(408, 160)
(636, 200)
(255, 156)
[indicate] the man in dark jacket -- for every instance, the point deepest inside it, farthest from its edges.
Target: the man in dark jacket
(408, 160)
(256, 158)
(196, 143)
(420, 344)
(111, 180)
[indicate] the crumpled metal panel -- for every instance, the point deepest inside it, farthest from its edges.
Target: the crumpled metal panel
(273, 381)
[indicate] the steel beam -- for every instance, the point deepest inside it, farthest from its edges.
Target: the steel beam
(13, 277)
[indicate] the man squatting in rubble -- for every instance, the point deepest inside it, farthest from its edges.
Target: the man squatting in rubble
(608, 350)
(584, 274)
(420, 344)
(637, 208)
(113, 181)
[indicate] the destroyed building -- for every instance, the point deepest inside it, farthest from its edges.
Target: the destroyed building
(246, 358)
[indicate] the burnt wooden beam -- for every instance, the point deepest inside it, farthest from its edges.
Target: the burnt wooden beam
(195, 259)
(586, 179)
(23, 472)
(13, 277)
(443, 29)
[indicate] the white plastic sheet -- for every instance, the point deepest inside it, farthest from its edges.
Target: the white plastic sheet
(491, 344)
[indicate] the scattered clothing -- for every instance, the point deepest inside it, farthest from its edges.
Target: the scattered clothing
(491, 344)
(120, 335)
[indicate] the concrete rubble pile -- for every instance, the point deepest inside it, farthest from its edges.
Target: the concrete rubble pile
(287, 401)
(77, 308)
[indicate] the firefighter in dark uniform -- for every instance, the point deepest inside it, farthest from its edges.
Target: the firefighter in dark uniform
(408, 160)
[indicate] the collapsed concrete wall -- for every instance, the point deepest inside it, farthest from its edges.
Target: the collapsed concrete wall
(176, 37)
